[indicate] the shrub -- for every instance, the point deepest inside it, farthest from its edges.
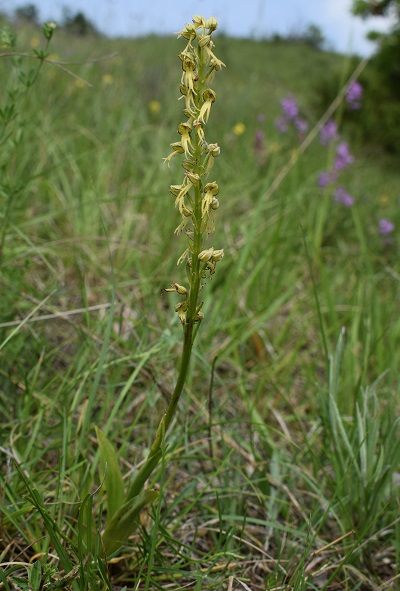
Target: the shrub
(378, 122)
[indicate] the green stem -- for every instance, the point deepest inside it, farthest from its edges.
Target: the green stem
(154, 456)
(195, 278)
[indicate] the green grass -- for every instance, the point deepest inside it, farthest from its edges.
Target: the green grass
(292, 481)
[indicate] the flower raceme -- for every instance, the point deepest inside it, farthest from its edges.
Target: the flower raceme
(354, 95)
(290, 116)
(195, 198)
(328, 133)
(196, 201)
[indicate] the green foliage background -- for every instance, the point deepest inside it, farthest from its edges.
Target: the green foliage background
(301, 321)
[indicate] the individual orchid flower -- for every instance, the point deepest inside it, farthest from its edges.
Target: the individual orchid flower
(209, 97)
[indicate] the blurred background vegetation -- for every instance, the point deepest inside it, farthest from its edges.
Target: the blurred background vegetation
(301, 332)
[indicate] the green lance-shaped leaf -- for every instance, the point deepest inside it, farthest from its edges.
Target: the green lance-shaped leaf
(35, 578)
(113, 482)
(126, 520)
(150, 464)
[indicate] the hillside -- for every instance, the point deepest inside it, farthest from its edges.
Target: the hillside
(281, 467)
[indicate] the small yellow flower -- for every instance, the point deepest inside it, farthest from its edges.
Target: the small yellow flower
(189, 32)
(383, 199)
(198, 21)
(239, 129)
(189, 75)
(210, 191)
(209, 97)
(181, 308)
(185, 130)
(218, 255)
(215, 63)
(205, 255)
(107, 79)
(177, 149)
(214, 150)
(189, 101)
(274, 147)
(178, 288)
(211, 23)
(79, 83)
(154, 107)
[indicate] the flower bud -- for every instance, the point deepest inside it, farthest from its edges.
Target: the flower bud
(205, 255)
(217, 255)
(211, 24)
(175, 189)
(180, 289)
(198, 21)
(188, 165)
(205, 40)
(211, 188)
(181, 309)
(193, 177)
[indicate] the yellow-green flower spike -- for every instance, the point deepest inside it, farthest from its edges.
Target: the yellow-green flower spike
(196, 201)
(195, 198)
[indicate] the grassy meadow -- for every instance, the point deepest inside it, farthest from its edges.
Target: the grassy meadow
(282, 469)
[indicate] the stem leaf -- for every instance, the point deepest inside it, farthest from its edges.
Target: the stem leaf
(113, 482)
(126, 520)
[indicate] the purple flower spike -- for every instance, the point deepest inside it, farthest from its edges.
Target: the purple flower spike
(327, 178)
(385, 227)
(281, 124)
(259, 140)
(343, 156)
(342, 196)
(328, 133)
(354, 95)
(289, 107)
(301, 125)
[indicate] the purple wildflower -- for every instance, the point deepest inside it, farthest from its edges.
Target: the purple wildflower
(327, 178)
(300, 124)
(259, 147)
(343, 156)
(281, 124)
(354, 95)
(259, 141)
(289, 107)
(261, 118)
(342, 196)
(385, 227)
(328, 133)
